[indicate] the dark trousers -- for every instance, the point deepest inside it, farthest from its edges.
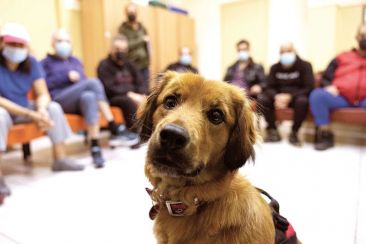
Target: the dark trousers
(145, 74)
(128, 107)
(298, 103)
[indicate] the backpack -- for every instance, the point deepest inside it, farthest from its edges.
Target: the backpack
(285, 233)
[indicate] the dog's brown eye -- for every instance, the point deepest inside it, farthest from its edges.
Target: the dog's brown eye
(170, 102)
(215, 116)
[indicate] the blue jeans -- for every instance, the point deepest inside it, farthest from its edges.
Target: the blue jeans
(82, 98)
(322, 102)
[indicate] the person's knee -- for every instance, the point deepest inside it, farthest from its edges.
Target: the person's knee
(94, 84)
(55, 109)
(317, 95)
(88, 97)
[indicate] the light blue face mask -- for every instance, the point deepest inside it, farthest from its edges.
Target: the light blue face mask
(288, 58)
(243, 55)
(15, 55)
(185, 59)
(63, 49)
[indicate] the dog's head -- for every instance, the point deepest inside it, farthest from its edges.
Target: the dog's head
(196, 125)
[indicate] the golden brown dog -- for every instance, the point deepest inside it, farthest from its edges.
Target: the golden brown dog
(201, 132)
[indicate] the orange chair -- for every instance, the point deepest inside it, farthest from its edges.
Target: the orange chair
(25, 133)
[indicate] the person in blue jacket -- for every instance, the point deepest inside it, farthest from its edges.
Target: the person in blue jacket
(78, 94)
(19, 73)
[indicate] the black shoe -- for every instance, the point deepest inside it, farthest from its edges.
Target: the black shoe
(98, 160)
(4, 189)
(294, 139)
(272, 136)
(325, 140)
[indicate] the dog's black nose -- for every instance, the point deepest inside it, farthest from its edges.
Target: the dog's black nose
(173, 137)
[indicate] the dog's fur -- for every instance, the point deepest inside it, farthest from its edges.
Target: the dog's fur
(206, 169)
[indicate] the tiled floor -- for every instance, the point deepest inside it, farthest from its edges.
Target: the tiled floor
(323, 194)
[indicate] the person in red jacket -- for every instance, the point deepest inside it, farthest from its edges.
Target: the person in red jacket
(343, 85)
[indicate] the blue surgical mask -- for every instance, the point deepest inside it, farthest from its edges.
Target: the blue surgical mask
(15, 55)
(185, 59)
(63, 49)
(288, 58)
(243, 55)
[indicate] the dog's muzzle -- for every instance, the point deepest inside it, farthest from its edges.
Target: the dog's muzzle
(169, 154)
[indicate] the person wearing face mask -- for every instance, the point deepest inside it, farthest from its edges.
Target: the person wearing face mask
(19, 73)
(121, 79)
(289, 84)
(184, 64)
(343, 85)
(138, 43)
(78, 94)
(244, 72)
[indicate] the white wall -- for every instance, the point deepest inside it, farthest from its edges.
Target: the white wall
(286, 22)
(208, 37)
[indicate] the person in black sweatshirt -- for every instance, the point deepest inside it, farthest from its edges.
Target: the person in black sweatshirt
(288, 85)
(121, 79)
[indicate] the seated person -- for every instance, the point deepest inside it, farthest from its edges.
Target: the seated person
(289, 83)
(121, 79)
(77, 94)
(244, 72)
(343, 85)
(185, 62)
(19, 73)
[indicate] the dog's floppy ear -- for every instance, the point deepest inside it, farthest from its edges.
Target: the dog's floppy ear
(146, 111)
(240, 146)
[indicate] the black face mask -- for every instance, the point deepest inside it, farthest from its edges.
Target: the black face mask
(362, 44)
(131, 17)
(120, 56)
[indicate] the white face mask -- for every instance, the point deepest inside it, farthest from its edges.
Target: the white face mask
(15, 55)
(287, 58)
(243, 55)
(185, 59)
(63, 49)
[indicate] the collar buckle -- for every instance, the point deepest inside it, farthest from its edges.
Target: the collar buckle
(176, 208)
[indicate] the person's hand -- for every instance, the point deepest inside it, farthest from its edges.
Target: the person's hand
(282, 100)
(74, 76)
(42, 118)
(137, 98)
(332, 90)
(255, 90)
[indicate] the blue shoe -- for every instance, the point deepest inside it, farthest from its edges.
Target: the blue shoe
(98, 160)
(124, 138)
